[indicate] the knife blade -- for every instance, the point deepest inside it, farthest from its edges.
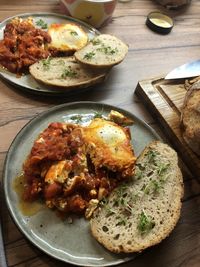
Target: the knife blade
(188, 70)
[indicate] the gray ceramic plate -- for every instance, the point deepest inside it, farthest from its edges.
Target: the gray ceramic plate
(26, 82)
(71, 243)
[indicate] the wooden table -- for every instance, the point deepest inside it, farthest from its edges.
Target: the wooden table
(150, 55)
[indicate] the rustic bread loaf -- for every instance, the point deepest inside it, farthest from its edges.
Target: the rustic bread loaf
(65, 72)
(190, 118)
(142, 212)
(103, 51)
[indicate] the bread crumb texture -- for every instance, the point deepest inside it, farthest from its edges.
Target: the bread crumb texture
(103, 51)
(191, 118)
(143, 211)
(65, 72)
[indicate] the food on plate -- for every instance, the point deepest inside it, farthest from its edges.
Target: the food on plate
(65, 72)
(73, 167)
(67, 37)
(190, 118)
(32, 46)
(108, 145)
(103, 51)
(143, 211)
(119, 118)
(22, 45)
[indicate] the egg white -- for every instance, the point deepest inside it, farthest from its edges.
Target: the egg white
(66, 37)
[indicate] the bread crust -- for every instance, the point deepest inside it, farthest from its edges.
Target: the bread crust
(127, 238)
(190, 118)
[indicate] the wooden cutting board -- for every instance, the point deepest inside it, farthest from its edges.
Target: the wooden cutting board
(164, 100)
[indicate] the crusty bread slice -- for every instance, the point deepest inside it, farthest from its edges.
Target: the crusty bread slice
(190, 118)
(103, 51)
(142, 212)
(65, 72)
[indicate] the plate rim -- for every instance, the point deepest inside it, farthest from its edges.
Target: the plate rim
(49, 92)
(9, 153)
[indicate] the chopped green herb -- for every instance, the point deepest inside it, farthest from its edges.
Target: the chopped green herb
(138, 174)
(73, 33)
(98, 114)
(151, 154)
(145, 223)
(107, 50)
(109, 211)
(156, 186)
(42, 24)
(162, 168)
(153, 187)
(89, 55)
(77, 118)
(46, 63)
(68, 72)
(96, 41)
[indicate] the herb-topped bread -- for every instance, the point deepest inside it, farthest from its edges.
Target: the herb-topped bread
(142, 212)
(65, 72)
(103, 51)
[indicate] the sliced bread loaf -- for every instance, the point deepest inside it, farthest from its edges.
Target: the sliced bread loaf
(190, 118)
(103, 51)
(65, 72)
(142, 212)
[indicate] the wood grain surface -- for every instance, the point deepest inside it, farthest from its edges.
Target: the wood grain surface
(164, 100)
(150, 55)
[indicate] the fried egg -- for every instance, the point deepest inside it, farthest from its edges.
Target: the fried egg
(67, 37)
(108, 145)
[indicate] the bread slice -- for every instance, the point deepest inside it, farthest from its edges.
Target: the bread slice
(65, 72)
(103, 51)
(142, 212)
(190, 118)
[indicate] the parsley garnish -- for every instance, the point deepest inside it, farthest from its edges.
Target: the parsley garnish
(77, 118)
(162, 168)
(68, 72)
(98, 114)
(89, 55)
(153, 187)
(145, 223)
(151, 154)
(95, 41)
(73, 33)
(107, 50)
(46, 63)
(41, 24)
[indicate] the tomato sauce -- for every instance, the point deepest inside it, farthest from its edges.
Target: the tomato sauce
(59, 171)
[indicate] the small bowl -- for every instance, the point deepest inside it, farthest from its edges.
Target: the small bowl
(94, 12)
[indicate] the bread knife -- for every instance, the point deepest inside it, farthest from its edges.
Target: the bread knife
(188, 70)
